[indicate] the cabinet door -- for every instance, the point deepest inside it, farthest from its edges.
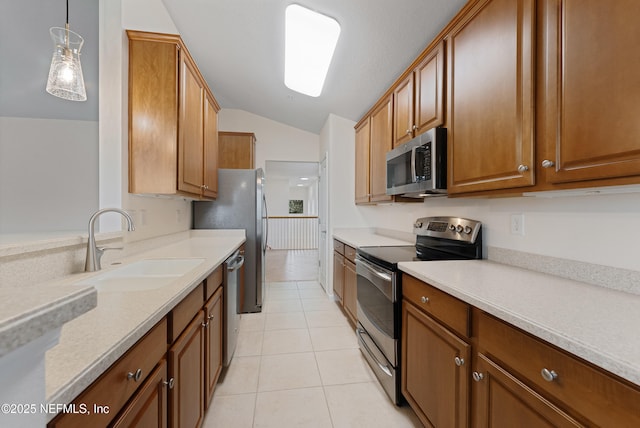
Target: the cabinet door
(501, 400)
(429, 91)
(190, 141)
(338, 275)
(490, 63)
(148, 408)
(186, 367)
(380, 143)
(593, 90)
(213, 344)
(236, 150)
(210, 148)
(403, 111)
(436, 387)
(350, 290)
(363, 136)
(153, 116)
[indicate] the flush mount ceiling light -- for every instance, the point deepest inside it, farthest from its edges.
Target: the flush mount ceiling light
(65, 74)
(310, 40)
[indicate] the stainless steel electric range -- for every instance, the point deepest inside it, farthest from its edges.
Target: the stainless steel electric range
(380, 288)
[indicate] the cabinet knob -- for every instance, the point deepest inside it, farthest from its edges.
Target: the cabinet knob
(522, 168)
(548, 163)
(459, 361)
(477, 376)
(415, 127)
(169, 383)
(210, 317)
(205, 324)
(135, 376)
(424, 299)
(548, 375)
(408, 132)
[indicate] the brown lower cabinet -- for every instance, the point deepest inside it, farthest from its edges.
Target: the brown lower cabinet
(498, 375)
(168, 377)
(501, 400)
(345, 279)
(435, 369)
(213, 343)
(186, 367)
(148, 408)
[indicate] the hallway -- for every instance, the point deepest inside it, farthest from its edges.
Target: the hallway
(297, 364)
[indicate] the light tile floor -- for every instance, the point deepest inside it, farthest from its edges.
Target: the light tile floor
(297, 364)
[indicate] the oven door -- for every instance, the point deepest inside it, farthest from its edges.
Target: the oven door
(377, 306)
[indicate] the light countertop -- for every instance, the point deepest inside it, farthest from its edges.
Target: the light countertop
(26, 315)
(91, 343)
(595, 323)
(368, 238)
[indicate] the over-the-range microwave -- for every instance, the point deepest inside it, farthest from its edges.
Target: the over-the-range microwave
(419, 168)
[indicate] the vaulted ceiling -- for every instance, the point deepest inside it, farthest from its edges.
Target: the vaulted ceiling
(239, 48)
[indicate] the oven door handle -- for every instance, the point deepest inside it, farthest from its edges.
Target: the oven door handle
(380, 274)
(383, 367)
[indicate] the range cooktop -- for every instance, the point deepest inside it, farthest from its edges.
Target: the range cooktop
(437, 238)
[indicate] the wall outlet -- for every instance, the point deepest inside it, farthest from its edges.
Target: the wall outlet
(517, 224)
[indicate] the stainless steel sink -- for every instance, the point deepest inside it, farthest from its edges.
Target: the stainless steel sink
(142, 275)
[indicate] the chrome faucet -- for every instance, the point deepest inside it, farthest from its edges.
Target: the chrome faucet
(94, 253)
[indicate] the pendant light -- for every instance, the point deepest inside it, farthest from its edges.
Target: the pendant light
(65, 75)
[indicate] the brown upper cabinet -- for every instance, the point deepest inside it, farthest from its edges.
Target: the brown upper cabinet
(490, 97)
(374, 138)
(419, 98)
(236, 150)
(592, 91)
(172, 120)
(363, 136)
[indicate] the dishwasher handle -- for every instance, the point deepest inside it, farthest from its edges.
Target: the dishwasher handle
(238, 263)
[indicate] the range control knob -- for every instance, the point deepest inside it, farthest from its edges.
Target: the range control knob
(417, 224)
(459, 228)
(467, 230)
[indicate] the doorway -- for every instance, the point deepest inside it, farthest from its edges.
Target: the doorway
(291, 190)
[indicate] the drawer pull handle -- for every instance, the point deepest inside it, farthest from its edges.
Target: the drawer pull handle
(135, 376)
(549, 375)
(424, 299)
(477, 376)
(170, 383)
(459, 361)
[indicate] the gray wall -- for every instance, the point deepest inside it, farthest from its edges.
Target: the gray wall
(26, 49)
(48, 146)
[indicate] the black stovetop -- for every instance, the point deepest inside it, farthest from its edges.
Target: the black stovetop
(426, 249)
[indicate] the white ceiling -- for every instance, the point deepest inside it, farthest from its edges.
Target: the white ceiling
(239, 48)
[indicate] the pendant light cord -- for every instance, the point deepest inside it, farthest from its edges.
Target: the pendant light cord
(67, 11)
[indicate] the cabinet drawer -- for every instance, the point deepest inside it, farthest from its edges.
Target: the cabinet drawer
(447, 309)
(350, 253)
(212, 282)
(589, 391)
(114, 388)
(183, 313)
(338, 246)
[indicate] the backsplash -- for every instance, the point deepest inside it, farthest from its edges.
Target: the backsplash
(604, 276)
(29, 264)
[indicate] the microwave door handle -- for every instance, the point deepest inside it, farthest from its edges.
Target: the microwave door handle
(414, 178)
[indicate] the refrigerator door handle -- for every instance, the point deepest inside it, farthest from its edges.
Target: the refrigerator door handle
(266, 228)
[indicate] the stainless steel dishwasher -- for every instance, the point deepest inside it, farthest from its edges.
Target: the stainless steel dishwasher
(232, 270)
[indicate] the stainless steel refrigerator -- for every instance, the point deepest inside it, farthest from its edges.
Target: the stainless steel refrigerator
(241, 204)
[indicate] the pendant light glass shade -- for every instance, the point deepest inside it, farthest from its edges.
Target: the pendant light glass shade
(65, 75)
